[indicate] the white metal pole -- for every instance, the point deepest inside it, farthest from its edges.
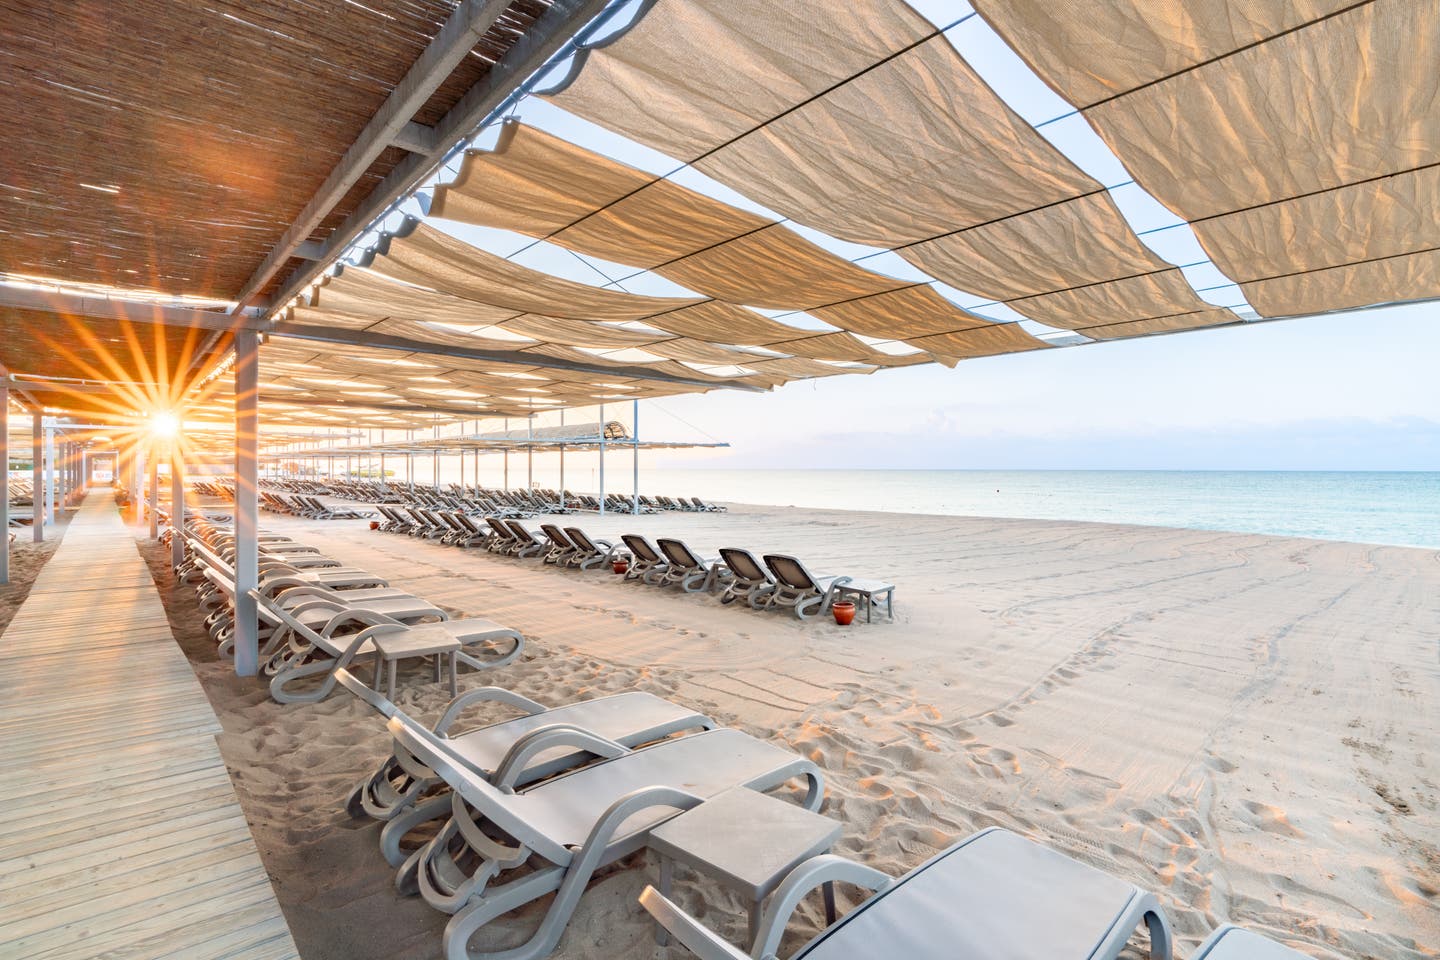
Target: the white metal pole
(155, 496)
(177, 502)
(247, 500)
(602, 459)
(37, 475)
(562, 463)
(635, 455)
(50, 473)
(5, 484)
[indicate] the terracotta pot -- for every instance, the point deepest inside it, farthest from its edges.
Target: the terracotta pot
(844, 611)
(374, 524)
(622, 566)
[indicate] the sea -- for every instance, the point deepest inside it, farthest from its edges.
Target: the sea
(1402, 509)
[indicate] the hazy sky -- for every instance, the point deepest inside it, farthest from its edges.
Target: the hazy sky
(1354, 391)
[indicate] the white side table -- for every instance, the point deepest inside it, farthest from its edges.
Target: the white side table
(420, 640)
(746, 840)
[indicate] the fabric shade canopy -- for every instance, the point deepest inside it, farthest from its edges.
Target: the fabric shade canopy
(914, 153)
(1301, 139)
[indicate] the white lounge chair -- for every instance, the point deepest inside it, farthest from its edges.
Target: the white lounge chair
(503, 848)
(993, 894)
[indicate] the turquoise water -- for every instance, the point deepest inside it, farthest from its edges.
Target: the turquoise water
(1390, 508)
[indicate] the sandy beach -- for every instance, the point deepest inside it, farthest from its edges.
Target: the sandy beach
(1244, 724)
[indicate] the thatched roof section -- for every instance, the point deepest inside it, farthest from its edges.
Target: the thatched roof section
(214, 123)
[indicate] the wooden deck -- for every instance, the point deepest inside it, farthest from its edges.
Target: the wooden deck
(120, 833)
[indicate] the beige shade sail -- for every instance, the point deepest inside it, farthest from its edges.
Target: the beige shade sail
(430, 258)
(1161, 294)
(907, 313)
(1296, 137)
(915, 148)
(722, 323)
(1353, 285)
(1359, 224)
(699, 351)
(1210, 317)
(775, 269)
(683, 80)
(579, 333)
(1067, 244)
(987, 341)
(1093, 51)
(364, 293)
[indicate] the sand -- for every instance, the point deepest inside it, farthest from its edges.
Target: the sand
(1244, 724)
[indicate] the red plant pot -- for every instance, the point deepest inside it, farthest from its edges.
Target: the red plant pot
(622, 566)
(374, 524)
(844, 612)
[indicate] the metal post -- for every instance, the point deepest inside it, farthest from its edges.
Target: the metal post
(155, 496)
(5, 485)
(177, 502)
(37, 477)
(529, 453)
(602, 459)
(247, 501)
(137, 471)
(50, 473)
(562, 463)
(635, 454)
(506, 453)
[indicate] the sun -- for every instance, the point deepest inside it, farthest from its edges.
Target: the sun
(163, 423)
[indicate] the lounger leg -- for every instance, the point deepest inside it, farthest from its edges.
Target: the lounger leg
(436, 808)
(667, 879)
(1160, 940)
(454, 679)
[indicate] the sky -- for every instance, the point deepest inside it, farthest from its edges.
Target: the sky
(1349, 391)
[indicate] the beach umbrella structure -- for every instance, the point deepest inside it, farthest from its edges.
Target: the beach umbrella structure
(270, 233)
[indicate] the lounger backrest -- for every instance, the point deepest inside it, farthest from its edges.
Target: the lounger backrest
(520, 533)
(582, 540)
(278, 614)
(500, 529)
(641, 548)
(790, 571)
(677, 553)
(743, 564)
(556, 536)
(495, 806)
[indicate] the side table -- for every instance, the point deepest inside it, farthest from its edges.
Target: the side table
(748, 841)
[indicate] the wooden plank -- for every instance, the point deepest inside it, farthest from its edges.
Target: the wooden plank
(123, 837)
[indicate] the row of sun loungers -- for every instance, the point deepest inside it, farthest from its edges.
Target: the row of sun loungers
(523, 808)
(308, 506)
(318, 616)
(482, 821)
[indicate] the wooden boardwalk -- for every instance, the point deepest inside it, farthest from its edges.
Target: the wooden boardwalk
(120, 833)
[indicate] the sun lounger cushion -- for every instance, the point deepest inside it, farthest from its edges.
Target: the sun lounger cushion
(992, 895)
(1233, 943)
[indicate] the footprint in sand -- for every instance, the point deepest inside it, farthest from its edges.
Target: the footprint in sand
(1270, 819)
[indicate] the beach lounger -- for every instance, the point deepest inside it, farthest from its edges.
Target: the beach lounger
(310, 652)
(526, 543)
(503, 541)
(646, 563)
(798, 589)
(630, 719)
(504, 848)
(748, 580)
(1234, 943)
(692, 573)
(561, 549)
(590, 553)
(993, 894)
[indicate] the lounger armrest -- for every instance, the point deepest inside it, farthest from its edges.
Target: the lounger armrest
(799, 883)
(363, 691)
(548, 737)
(480, 695)
(273, 586)
(695, 936)
(360, 615)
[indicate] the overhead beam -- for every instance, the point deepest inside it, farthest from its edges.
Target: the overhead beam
(546, 36)
(101, 308)
(461, 32)
(469, 412)
(366, 338)
(417, 138)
